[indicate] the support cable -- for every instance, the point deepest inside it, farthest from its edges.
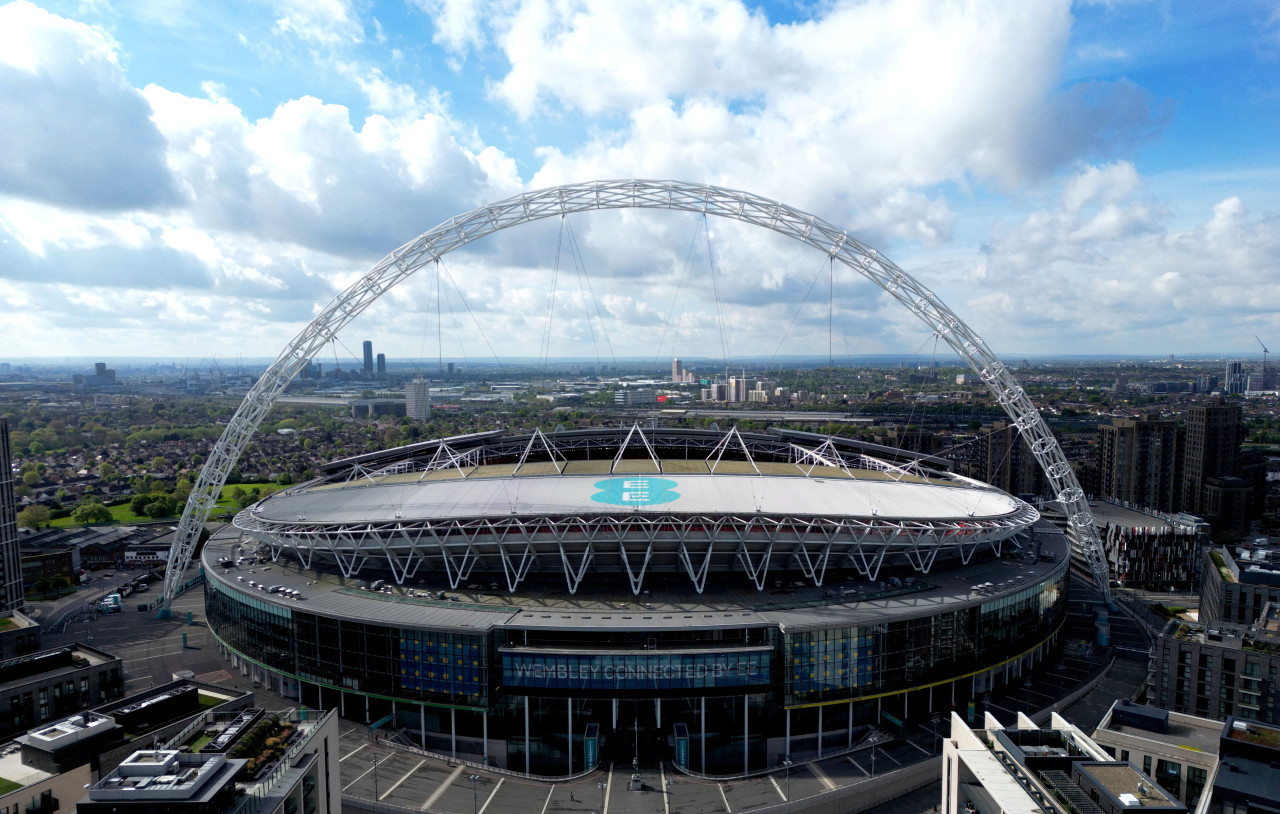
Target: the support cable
(673, 313)
(580, 267)
(472, 314)
(439, 324)
(545, 351)
(715, 288)
(796, 315)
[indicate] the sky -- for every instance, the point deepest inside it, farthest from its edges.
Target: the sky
(181, 178)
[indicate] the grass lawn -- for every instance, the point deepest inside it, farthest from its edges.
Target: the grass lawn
(207, 700)
(199, 742)
(124, 515)
(7, 785)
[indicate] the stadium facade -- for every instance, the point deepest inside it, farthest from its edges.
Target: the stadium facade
(542, 602)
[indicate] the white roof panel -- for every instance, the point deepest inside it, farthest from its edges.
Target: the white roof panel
(646, 494)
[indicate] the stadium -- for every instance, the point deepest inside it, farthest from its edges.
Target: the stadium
(725, 600)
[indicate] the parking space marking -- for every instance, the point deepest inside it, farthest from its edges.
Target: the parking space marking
(724, 799)
(776, 788)
(403, 778)
(822, 776)
(545, 802)
(666, 790)
(361, 777)
(492, 794)
(858, 766)
(352, 752)
(448, 781)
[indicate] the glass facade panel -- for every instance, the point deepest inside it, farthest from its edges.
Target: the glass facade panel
(443, 663)
(642, 671)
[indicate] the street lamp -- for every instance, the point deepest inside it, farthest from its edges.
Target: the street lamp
(374, 761)
(786, 764)
(603, 786)
(475, 801)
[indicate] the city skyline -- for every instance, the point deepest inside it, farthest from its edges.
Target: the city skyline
(1094, 178)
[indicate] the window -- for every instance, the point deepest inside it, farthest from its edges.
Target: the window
(1124, 755)
(1146, 765)
(1169, 776)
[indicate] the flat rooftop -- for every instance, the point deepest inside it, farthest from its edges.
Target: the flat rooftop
(1124, 779)
(1179, 733)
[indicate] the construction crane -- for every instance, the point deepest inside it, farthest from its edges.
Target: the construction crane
(1266, 383)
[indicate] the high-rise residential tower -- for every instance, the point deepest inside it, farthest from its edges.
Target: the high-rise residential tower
(1234, 379)
(677, 370)
(417, 395)
(10, 565)
(1003, 460)
(1212, 449)
(1139, 460)
(382, 366)
(368, 359)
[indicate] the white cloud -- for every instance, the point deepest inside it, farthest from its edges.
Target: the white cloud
(1104, 265)
(307, 175)
(74, 132)
(860, 113)
(327, 23)
(458, 23)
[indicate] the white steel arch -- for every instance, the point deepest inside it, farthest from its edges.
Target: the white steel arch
(634, 194)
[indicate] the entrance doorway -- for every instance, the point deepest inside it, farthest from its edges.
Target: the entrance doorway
(637, 736)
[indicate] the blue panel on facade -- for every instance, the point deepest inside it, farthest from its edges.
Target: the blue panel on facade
(451, 664)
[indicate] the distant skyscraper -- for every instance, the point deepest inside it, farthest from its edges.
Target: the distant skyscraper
(737, 389)
(1212, 448)
(368, 359)
(10, 565)
(417, 395)
(677, 371)
(1234, 381)
(382, 365)
(1139, 460)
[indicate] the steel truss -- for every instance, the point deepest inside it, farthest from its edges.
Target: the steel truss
(634, 544)
(539, 447)
(635, 194)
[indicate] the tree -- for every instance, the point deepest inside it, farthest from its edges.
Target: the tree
(31, 478)
(91, 510)
(42, 586)
(162, 506)
(159, 462)
(106, 471)
(138, 504)
(33, 517)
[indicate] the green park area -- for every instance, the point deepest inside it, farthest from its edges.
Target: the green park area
(125, 514)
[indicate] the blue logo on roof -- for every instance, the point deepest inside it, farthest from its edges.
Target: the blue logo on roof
(635, 491)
